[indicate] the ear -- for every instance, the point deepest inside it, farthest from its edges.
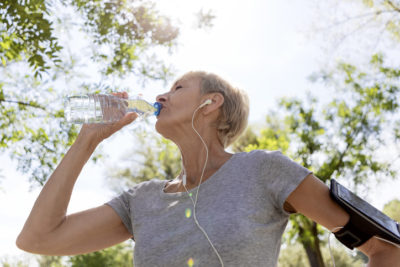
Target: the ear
(217, 99)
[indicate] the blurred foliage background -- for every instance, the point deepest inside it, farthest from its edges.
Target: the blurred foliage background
(353, 136)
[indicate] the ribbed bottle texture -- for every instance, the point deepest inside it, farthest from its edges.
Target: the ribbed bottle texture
(100, 108)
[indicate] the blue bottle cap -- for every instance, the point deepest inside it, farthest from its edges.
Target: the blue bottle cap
(158, 107)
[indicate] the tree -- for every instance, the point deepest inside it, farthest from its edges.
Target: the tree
(341, 257)
(50, 261)
(25, 31)
(14, 262)
(388, 12)
(353, 30)
(293, 255)
(126, 28)
(119, 255)
(155, 157)
(42, 60)
(392, 209)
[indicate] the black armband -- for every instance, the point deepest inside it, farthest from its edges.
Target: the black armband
(365, 220)
(352, 236)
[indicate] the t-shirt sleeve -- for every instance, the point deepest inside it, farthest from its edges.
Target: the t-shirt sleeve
(121, 205)
(283, 175)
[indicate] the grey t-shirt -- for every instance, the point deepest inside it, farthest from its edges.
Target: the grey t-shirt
(240, 207)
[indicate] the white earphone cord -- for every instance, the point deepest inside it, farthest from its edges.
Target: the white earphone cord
(197, 193)
(329, 244)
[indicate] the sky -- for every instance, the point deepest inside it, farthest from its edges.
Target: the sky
(268, 48)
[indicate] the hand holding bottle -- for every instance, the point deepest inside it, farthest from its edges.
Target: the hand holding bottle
(97, 132)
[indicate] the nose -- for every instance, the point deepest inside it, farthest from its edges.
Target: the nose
(161, 98)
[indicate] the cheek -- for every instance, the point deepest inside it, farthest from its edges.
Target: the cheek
(178, 113)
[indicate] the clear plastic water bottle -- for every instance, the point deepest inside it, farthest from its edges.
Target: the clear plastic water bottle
(101, 108)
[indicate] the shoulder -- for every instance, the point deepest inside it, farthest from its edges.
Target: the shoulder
(262, 160)
(262, 155)
(149, 186)
(272, 163)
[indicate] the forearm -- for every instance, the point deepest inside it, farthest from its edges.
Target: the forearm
(50, 208)
(384, 260)
(380, 253)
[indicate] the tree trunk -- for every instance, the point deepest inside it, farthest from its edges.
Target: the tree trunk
(312, 248)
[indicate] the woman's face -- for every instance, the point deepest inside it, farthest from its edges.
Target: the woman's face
(178, 105)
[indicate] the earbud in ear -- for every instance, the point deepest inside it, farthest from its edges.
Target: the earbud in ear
(207, 102)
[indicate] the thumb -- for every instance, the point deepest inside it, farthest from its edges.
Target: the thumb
(127, 119)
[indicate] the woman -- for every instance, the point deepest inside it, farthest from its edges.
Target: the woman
(222, 210)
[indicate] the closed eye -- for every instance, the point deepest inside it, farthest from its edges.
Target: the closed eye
(178, 87)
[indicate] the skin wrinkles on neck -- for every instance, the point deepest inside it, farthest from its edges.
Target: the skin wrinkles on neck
(194, 156)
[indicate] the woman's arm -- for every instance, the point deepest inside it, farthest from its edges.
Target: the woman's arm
(312, 199)
(48, 230)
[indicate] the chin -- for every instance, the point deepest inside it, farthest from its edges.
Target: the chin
(157, 126)
(164, 128)
(161, 127)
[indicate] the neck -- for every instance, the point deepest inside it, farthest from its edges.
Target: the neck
(194, 155)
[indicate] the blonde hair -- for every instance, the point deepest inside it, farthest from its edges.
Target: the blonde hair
(234, 112)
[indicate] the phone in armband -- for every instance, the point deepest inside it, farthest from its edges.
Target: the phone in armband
(365, 220)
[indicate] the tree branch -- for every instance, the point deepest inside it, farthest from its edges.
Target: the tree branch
(374, 13)
(344, 152)
(28, 104)
(395, 8)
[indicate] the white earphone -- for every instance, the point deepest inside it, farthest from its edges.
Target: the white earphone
(207, 102)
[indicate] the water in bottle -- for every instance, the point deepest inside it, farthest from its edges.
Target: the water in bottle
(100, 108)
